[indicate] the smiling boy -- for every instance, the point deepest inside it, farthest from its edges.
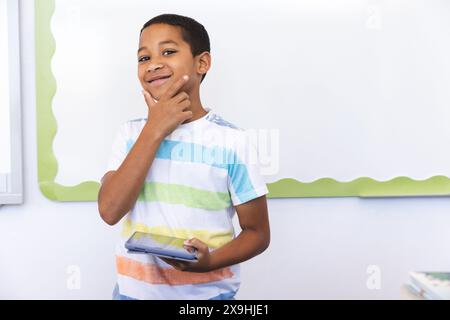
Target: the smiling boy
(183, 171)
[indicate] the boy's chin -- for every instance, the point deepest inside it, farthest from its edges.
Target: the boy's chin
(158, 92)
(154, 95)
(155, 92)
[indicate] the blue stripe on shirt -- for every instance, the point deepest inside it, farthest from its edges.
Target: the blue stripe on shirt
(214, 156)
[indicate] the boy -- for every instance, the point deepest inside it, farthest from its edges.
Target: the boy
(183, 172)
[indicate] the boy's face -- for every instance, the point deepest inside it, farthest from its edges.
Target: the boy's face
(172, 59)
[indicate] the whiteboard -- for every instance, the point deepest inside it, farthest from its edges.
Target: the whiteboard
(10, 113)
(349, 97)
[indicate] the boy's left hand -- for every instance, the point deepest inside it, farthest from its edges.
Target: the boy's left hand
(203, 256)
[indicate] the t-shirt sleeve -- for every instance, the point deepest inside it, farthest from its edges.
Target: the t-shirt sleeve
(245, 182)
(119, 149)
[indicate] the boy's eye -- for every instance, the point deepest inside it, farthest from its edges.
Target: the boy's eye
(145, 58)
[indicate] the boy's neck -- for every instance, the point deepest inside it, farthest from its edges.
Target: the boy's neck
(197, 110)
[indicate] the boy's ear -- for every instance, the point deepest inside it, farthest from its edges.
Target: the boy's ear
(204, 62)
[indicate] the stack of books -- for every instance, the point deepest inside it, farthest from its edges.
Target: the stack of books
(430, 285)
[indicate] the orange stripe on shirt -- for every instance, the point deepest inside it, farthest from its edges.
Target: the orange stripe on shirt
(153, 274)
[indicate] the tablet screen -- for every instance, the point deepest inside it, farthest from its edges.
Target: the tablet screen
(159, 245)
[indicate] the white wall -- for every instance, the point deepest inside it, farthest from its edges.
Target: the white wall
(320, 248)
(5, 165)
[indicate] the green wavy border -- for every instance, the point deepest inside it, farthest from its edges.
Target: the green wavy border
(46, 122)
(87, 191)
(361, 187)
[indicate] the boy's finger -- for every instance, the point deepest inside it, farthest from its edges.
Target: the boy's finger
(199, 245)
(186, 115)
(168, 261)
(148, 98)
(177, 265)
(173, 90)
(189, 248)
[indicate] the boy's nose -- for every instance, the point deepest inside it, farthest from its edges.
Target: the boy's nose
(153, 68)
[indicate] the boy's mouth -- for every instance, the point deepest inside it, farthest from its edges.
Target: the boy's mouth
(158, 82)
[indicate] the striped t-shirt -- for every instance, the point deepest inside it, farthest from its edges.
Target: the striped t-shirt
(200, 171)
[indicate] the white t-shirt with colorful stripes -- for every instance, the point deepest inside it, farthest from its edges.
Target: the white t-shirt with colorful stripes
(200, 171)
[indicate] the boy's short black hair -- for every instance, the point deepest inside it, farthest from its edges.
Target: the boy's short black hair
(191, 31)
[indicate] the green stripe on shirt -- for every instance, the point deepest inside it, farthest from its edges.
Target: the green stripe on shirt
(185, 195)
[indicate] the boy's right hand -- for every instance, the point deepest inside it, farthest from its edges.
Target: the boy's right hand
(170, 111)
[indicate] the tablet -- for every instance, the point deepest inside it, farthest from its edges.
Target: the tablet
(159, 245)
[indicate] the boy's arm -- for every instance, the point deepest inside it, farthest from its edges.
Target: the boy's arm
(253, 240)
(120, 189)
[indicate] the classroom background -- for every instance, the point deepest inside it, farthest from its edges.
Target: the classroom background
(351, 247)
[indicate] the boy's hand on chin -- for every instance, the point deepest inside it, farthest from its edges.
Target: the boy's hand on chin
(203, 256)
(170, 111)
